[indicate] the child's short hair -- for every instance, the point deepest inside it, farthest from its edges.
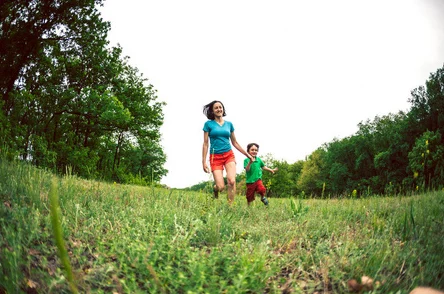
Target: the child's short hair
(251, 145)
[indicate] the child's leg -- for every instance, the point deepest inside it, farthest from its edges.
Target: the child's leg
(261, 190)
(251, 188)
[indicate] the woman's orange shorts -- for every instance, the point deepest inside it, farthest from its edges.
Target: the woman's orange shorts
(218, 161)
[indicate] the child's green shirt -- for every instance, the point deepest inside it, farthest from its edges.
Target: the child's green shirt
(255, 172)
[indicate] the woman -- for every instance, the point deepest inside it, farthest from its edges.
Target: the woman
(217, 136)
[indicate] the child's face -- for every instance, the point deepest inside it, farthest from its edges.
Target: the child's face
(253, 151)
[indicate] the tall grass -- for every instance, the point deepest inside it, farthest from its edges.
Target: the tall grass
(131, 239)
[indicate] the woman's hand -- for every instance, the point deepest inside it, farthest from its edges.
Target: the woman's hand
(205, 168)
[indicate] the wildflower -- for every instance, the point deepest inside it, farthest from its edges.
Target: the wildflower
(415, 175)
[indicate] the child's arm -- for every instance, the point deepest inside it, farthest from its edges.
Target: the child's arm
(270, 170)
(248, 166)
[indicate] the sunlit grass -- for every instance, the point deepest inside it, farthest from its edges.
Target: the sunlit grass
(131, 239)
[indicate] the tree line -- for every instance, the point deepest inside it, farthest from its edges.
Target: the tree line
(70, 102)
(392, 154)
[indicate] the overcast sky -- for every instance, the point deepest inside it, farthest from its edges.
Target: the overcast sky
(292, 74)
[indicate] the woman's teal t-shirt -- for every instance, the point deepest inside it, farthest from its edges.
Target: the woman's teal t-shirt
(219, 136)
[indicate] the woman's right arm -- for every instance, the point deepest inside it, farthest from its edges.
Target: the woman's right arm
(205, 152)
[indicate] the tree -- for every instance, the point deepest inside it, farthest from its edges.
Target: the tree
(69, 100)
(427, 111)
(27, 27)
(311, 180)
(283, 182)
(339, 165)
(426, 160)
(382, 143)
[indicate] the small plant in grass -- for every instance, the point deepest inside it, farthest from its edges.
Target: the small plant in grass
(354, 194)
(297, 208)
(409, 227)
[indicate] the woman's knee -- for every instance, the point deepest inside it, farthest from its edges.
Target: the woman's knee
(220, 186)
(231, 182)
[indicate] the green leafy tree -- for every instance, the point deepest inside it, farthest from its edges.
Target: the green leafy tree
(426, 123)
(283, 182)
(426, 161)
(27, 28)
(427, 111)
(384, 145)
(339, 165)
(69, 101)
(311, 180)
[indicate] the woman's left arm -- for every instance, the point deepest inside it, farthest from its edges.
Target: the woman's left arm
(239, 147)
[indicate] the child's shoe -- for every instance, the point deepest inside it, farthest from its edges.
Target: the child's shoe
(264, 200)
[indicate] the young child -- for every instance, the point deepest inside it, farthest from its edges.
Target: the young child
(253, 170)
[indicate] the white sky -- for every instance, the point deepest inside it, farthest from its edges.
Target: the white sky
(292, 74)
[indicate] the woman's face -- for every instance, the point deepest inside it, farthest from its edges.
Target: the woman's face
(218, 109)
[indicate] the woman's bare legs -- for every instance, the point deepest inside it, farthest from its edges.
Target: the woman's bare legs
(218, 175)
(219, 182)
(231, 180)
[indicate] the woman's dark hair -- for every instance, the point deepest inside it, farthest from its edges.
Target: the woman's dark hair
(208, 109)
(251, 145)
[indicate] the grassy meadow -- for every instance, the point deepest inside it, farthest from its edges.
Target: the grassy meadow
(68, 235)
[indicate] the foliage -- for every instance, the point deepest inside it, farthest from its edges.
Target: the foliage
(70, 101)
(283, 183)
(298, 209)
(426, 160)
(311, 179)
